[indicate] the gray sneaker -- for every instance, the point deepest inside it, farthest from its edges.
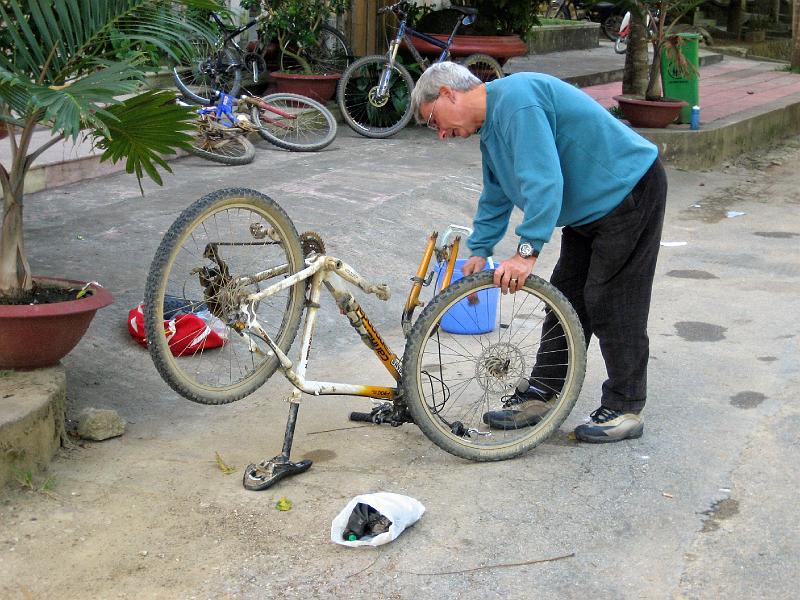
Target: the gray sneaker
(523, 409)
(607, 425)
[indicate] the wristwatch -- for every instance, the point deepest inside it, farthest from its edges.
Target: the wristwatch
(525, 250)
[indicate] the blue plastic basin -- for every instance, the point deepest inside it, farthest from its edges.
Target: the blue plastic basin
(466, 317)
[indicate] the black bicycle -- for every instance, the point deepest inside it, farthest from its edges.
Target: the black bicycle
(219, 66)
(374, 93)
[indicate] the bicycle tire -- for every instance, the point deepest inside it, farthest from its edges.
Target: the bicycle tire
(197, 86)
(226, 148)
(331, 53)
(484, 67)
(366, 115)
(233, 371)
(488, 365)
(311, 126)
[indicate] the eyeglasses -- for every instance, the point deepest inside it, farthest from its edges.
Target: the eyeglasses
(430, 124)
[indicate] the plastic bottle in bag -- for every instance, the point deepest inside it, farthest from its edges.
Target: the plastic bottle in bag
(365, 521)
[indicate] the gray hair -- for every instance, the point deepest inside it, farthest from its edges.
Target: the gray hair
(449, 74)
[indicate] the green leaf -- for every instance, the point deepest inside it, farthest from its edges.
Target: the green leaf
(143, 129)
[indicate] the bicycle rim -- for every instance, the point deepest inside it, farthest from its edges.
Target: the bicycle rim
(222, 146)
(470, 348)
(295, 122)
(208, 71)
(198, 269)
(364, 112)
(331, 53)
(484, 67)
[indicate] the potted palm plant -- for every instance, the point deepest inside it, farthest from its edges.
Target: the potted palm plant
(59, 71)
(642, 101)
(299, 28)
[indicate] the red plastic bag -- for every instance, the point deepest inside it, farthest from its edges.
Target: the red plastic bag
(186, 333)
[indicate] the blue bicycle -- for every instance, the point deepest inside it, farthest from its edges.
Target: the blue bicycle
(374, 93)
(221, 134)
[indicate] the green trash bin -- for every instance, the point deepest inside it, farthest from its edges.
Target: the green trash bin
(680, 83)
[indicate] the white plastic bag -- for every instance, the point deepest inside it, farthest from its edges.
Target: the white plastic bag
(402, 511)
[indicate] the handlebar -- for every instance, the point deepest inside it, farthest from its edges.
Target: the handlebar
(398, 8)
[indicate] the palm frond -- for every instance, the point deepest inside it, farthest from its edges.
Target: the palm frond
(143, 129)
(59, 40)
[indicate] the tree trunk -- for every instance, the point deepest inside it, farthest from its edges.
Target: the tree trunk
(735, 10)
(634, 78)
(796, 35)
(15, 272)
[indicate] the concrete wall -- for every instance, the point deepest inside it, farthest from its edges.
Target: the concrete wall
(554, 38)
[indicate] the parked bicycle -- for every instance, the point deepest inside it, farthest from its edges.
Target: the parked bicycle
(289, 121)
(236, 254)
(608, 14)
(374, 94)
(219, 66)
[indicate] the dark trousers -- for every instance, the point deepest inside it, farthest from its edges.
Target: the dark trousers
(606, 272)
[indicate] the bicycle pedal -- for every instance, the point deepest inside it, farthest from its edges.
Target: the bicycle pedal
(264, 475)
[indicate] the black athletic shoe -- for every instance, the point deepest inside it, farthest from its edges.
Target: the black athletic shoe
(529, 407)
(607, 425)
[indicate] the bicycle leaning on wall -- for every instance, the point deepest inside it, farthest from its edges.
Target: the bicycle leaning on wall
(374, 93)
(219, 66)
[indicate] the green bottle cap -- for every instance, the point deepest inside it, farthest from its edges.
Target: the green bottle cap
(352, 537)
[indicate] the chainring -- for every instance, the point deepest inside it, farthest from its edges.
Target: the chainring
(311, 243)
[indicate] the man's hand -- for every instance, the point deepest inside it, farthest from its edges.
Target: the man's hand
(510, 276)
(474, 264)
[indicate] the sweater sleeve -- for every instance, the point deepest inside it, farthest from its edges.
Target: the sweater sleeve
(531, 144)
(491, 218)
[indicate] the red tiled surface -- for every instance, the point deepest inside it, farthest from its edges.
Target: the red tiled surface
(726, 88)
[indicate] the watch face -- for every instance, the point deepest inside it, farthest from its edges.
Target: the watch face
(525, 250)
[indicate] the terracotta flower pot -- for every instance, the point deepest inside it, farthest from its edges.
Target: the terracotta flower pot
(318, 87)
(650, 113)
(500, 47)
(40, 335)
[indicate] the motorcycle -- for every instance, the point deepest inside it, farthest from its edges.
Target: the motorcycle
(621, 43)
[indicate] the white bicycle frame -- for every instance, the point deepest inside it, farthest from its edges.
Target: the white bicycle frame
(320, 270)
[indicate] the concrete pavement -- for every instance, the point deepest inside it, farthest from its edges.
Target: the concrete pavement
(701, 507)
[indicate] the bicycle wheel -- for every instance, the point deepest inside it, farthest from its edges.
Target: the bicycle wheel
(453, 373)
(610, 27)
(208, 72)
(484, 67)
(221, 145)
(202, 265)
(294, 122)
(363, 110)
(331, 53)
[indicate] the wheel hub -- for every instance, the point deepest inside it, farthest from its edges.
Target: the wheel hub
(376, 100)
(498, 365)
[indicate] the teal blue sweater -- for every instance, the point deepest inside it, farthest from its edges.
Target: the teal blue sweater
(555, 153)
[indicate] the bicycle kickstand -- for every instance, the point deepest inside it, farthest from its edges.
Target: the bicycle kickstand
(269, 472)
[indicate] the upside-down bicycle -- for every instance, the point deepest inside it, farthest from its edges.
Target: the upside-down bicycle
(237, 254)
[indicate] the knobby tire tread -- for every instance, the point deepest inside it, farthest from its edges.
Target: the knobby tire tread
(366, 130)
(423, 328)
(156, 280)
